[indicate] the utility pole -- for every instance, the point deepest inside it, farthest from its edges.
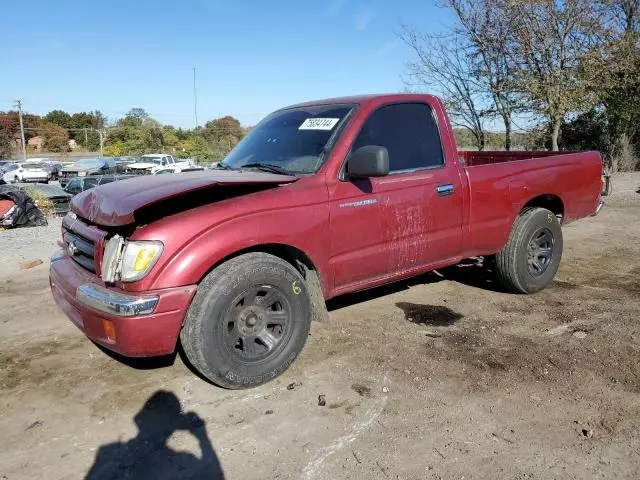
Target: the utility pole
(24, 146)
(101, 133)
(195, 98)
(86, 139)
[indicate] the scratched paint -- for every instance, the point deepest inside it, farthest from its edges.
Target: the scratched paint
(407, 229)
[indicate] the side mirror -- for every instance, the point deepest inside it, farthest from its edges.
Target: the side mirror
(368, 161)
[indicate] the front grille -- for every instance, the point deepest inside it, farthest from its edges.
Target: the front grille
(81, 249)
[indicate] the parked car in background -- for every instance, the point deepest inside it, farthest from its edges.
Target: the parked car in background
(5, 169)
(25, 172)
(123, 162)
(53, 167)
(156, 161)
(80, 184)
(86, 167)
(177, 170)
(4, 163)
(60, 199)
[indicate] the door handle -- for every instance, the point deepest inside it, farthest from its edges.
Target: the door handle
(444, 190)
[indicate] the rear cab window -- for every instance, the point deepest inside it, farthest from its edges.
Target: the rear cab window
(410, 134)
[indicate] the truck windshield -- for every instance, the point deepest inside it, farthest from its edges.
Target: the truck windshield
(292, 140)
(88, 163)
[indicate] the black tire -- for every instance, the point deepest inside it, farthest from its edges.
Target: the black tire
(225, 306)
(531, 257)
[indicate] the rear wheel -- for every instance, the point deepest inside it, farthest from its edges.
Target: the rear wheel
(248, 321)
(531, 257)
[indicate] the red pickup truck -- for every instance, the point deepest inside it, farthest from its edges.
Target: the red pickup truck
(320, 199)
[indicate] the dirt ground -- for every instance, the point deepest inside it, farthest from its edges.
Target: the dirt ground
(444, 377)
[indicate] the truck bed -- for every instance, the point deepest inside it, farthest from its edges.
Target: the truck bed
(476, 158)
(504, 186)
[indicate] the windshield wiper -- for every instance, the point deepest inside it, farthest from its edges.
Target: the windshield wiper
(268, 167)
(224, 166)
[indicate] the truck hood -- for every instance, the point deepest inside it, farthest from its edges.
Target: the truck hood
(142, 165)
(71, 168)
(116, 203)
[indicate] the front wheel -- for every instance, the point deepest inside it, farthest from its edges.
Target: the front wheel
(531, 257)
(248, 321)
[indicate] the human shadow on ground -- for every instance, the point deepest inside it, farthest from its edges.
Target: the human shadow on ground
(147, 455)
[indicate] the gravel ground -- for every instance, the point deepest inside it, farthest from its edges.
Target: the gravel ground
(443, 376)
(21, 244)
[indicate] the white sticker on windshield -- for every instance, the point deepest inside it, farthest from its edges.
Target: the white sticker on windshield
(318, 124)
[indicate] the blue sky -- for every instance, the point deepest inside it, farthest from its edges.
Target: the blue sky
(251, 57)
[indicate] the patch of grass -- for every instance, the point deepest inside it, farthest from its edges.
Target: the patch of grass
(41, 201)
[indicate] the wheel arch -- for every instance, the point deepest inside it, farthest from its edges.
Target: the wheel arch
(549, 201)
(293, 255)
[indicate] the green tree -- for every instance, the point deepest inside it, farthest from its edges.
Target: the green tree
(115, 149)
(56, 138)
(169, 136)
(58, 117)
(221, 127)
(222, 134)
(550, 40)
(135, 117)
(193, 147)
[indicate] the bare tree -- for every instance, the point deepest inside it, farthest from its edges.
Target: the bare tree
(445, 64)
(626, 14)
(551, 37)
(485, 26)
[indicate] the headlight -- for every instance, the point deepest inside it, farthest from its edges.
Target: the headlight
(128, 260)
(138, 258)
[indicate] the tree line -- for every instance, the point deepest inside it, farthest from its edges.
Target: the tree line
(135, 133)
(567, 72)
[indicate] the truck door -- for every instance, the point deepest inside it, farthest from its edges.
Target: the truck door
(419, 204)
(357, 245)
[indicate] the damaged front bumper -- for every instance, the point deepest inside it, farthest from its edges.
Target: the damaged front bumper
(131, 324)
(119, 304)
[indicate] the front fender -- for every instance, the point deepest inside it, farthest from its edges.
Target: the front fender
(304, 228)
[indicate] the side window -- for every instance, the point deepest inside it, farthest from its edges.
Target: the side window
(408, 131)
(90, 183)
(170, 160)
(106, 180)
(74, 186)
(164, 160)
